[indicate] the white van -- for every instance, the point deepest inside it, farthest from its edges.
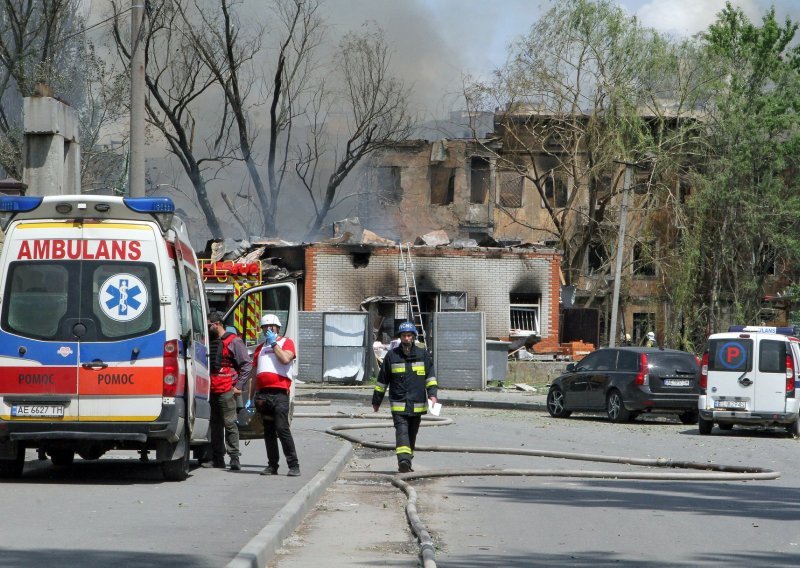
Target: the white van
(750, 376)
(103, 332)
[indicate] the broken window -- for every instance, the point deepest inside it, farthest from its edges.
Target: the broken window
(511, 187)
(479, 180)
(643, 322)
(643, 261)
(596, 257)
(452, 301)
(555, 190)
(443, 185)
(553, 181)
(388, 183)
(524, 314)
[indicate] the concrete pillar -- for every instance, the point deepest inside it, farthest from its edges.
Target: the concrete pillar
(51, 150)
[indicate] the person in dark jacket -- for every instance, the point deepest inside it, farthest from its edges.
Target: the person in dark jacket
(407, 371)
(230, 370)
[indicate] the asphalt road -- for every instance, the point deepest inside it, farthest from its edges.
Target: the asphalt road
(119, 511)
(552, 521)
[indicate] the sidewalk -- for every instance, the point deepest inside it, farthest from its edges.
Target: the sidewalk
(261, 549)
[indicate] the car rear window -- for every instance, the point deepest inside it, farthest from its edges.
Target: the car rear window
(772, 356)
(671, 362)
(732, 354)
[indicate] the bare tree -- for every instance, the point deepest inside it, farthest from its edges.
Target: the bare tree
(376, 108)
(40, 40)
(178, 84)
(229, 50)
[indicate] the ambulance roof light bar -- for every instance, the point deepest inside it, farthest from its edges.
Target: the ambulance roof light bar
(764, 329)
(162, 208)
(10, 205)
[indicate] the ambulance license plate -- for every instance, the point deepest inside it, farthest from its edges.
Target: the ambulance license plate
(37, 411)
(677, 382)
(730, 404)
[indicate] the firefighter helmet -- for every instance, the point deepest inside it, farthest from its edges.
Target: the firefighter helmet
(407, 327)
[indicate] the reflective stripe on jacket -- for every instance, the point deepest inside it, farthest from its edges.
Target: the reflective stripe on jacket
(409, 379)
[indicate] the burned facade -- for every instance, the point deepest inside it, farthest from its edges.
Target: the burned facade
(528, 182)
(516, 289)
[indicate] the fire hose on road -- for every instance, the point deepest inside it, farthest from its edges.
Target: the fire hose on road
(699, 471)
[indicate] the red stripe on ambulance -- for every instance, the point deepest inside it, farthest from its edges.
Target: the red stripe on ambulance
(121, 381)
(38, 380)
(75, 249)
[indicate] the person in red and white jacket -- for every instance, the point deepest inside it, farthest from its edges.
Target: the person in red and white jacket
(272, 366)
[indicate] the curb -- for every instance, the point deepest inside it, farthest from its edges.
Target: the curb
(262, 547)
(539, 406)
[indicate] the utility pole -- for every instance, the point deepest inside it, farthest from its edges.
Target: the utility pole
(136, 163)
(623, 216)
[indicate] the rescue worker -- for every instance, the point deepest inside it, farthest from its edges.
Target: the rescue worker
(272, 386)
(230, 370)
(407, 371)
(650, 339)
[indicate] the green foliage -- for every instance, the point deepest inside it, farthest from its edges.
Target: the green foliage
(745, 210)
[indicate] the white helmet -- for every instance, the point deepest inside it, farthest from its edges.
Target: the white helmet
(270, 319)
(651, 336)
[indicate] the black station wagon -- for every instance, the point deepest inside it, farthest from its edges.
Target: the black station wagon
(627, 381)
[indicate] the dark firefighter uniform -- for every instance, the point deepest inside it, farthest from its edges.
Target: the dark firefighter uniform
(410, 380)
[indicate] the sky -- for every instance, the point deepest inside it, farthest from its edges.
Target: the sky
(436, 42)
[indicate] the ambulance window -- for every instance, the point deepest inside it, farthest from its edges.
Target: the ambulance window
(124, 299)
(36, 298)
(733, 354)
(772, 356)
(183, 306)
(196, 306)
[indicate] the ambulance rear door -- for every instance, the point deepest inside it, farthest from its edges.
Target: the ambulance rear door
(119, 322)
(38, 353)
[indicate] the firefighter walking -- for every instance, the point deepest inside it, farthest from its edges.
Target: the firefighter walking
(407, 371)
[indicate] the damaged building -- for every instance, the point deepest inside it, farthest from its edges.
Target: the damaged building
(354, 294)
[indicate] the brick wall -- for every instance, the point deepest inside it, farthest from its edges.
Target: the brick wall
(488, 276)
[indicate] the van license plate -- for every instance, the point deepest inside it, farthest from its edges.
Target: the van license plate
(37, 410)
(677, 382)
(730, 404)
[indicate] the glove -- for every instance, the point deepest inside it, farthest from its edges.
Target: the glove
(272, 337)
(248, 404)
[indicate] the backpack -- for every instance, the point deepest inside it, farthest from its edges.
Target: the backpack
(216, 350)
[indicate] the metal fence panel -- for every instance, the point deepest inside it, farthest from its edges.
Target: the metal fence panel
(460, 350)
(310, 346)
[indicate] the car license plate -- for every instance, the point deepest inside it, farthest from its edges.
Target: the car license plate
(677, 382)
(37, 411)
(730, 404)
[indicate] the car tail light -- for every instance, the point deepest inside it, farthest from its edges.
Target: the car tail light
(704, 371)
(789, 375)
(170, 368)
(643, 376)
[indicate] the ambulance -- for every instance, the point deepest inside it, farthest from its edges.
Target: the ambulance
(749, 376)
(103, 332)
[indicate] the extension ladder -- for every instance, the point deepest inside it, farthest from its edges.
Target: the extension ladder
(414, 312)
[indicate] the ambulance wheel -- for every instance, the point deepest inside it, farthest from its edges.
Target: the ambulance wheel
(62, 457)
(12, 469)
(794, 429)
(178, 469)
(704, 426)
